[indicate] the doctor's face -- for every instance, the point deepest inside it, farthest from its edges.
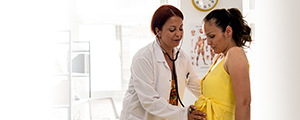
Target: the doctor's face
(171, 33)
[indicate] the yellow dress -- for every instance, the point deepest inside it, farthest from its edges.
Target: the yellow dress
(217, 99)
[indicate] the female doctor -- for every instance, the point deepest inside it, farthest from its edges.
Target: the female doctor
(160, 72)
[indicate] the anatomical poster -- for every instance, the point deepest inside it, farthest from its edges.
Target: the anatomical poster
(201, 54)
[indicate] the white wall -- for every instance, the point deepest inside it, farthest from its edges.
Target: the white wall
(275, 69)
(192, 15)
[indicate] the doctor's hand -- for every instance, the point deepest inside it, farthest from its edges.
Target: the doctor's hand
(195, 115)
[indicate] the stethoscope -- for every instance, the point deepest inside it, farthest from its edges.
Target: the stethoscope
(174, 71)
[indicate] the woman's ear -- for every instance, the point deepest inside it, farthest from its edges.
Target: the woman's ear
(228, 31)
(157, 32)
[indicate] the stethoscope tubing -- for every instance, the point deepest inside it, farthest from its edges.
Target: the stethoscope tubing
(174, 71)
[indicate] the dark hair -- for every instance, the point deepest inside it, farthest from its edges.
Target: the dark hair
(232, 17)
(162, 14)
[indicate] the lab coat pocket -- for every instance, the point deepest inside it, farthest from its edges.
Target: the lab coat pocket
(187, 78)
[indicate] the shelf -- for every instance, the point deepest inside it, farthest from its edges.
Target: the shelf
(82, 101)
(80, 75)
(73, 74)
(74, 103)
(60, 74)
(61, 106)
(61, 43)
(72, 65)
(80, 51)
(81, 41)
(72, 42)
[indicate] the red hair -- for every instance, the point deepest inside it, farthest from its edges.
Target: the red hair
(162, 14)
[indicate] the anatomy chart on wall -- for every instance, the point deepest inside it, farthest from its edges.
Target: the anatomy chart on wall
(201, 53)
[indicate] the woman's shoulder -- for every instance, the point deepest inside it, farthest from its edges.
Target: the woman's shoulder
(236, 59)
(236, 54)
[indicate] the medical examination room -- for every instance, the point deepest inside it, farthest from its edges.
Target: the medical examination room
(110, 60)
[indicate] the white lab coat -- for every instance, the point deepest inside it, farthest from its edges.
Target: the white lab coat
(150, 84)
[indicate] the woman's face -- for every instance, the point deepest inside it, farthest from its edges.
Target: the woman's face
(215, 37)
(171, 33)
